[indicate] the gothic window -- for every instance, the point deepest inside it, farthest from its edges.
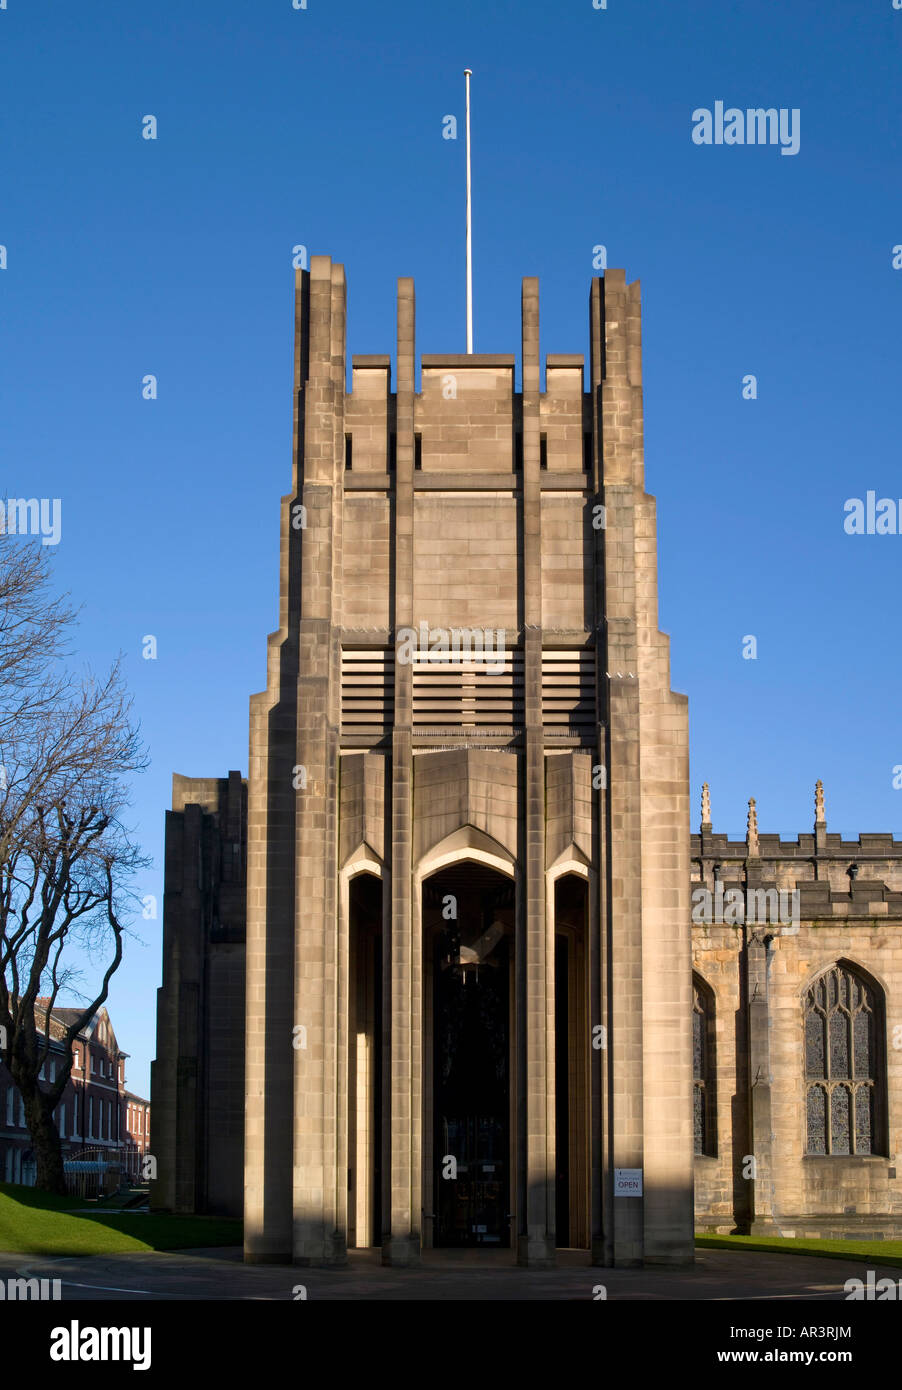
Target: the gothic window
(703, 1087)
(843, 1068)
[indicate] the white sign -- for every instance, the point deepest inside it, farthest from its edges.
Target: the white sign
(627, 1182)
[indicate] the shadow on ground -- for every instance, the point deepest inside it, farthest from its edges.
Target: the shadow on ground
(455, 1276)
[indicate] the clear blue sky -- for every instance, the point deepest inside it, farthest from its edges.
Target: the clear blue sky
(323, 127)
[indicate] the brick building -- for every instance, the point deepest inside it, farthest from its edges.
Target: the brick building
(136, 1132)
(94, 1111)
(427, 977)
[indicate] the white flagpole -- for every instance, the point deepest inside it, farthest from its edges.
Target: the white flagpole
(468, 74)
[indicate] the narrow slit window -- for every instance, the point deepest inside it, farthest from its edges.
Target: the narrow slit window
(704, 1117)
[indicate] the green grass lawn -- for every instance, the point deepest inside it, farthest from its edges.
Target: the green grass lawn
(885, 1252)
(39, 1223)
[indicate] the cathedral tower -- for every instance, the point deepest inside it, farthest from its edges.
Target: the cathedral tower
(455, 890)
(468, 950)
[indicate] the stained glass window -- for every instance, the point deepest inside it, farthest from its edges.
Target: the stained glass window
(864, 1101)
(814, 1043)
(698, 1039)
(839, 1120)
(817, 1110)
(839, 1042)
(698, 1118)
(704, 1090)
(841, 1012)
(863, 1044)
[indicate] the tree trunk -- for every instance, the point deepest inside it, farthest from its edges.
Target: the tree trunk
(45, 1139)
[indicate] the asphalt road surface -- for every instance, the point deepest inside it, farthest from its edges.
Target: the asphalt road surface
(446, 1276)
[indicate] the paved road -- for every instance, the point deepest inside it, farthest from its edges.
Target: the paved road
(450, 1276)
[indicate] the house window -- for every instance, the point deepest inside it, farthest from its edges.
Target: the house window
(704, 1091)
(843, 1064)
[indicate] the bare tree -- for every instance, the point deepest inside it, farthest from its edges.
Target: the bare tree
(67, 746)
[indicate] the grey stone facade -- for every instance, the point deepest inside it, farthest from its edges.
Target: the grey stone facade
(429, 836)
(198, 1076)
(756, 978)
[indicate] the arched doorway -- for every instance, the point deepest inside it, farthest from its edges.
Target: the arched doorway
(468, 995)
(365, 1061)
(572, 1051)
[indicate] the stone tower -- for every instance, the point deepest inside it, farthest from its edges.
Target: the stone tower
(511, 822)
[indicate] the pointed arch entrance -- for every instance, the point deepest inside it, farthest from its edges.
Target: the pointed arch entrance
(469, 1172)
(568, 900)
(365, 1063)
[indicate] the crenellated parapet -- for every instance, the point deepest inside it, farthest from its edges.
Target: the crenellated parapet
(835, 877)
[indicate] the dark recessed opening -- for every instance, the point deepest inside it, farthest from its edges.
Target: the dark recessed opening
(518, 452)
(587, 453)
(348, 451)
(392, 452)
(543, 450)
(418, 451)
